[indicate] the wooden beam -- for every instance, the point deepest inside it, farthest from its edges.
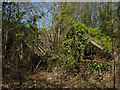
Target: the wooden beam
(95, 44)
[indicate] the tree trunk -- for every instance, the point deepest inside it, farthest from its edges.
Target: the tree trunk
(118, 66)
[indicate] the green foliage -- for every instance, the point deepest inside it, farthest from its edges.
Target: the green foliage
(67, 62)
(100, 38)
(75, 41)
(107, 22)
(74, 46)
(63, 42)
(96, 66)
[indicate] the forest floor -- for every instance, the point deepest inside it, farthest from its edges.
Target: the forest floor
(55, 79)
(44, 79)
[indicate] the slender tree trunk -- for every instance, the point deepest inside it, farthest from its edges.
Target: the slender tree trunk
(114, 72)
(118, 66)
(6, 35)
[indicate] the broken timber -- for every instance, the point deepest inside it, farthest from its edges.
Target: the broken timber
(95, 44)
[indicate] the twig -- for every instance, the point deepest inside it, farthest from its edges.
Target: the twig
(38, 64)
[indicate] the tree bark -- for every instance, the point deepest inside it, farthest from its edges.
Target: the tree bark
(118, 66)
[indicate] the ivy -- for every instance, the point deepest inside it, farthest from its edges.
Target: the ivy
(75, 41)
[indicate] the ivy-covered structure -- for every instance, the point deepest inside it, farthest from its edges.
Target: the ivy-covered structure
(82, 39)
